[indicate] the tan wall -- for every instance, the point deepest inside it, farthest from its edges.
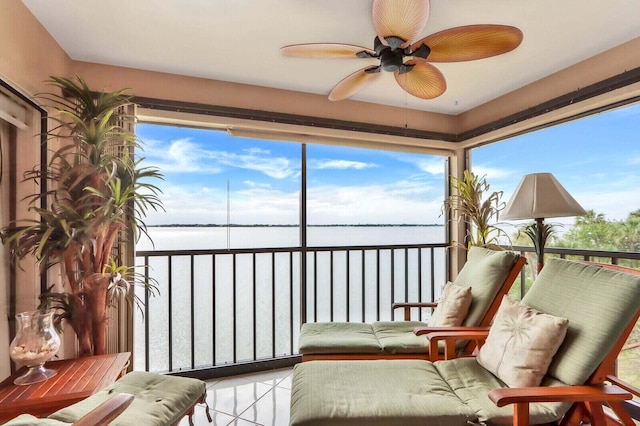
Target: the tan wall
(28, 54)
(211, 92)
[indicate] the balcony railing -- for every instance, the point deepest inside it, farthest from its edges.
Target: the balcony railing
(222, 312)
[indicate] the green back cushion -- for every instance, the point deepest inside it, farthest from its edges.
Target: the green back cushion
(599, 303)
(484, 271)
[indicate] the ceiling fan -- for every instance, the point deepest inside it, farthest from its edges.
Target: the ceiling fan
(398, 24)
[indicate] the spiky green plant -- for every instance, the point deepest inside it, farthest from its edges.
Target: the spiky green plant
(470, 201)
(97, 189)
(539, 241)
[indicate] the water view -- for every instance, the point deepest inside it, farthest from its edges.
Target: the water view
(267, 310)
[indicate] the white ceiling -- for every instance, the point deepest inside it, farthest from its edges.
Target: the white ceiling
(239, 41)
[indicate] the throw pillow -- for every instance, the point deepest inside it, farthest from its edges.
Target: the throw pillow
(452, 307)
(521, 344)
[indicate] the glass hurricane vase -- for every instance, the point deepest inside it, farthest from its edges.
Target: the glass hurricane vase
(35, 343)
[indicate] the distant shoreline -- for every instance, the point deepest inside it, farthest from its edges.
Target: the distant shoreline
(234, 225)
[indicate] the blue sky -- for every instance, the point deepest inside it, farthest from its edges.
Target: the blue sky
(597, 159)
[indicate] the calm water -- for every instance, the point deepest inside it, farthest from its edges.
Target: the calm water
(185, 238)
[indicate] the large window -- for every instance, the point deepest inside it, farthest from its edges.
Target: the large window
(234, 279)
(597, 159)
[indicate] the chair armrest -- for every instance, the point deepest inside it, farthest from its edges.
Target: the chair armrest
(450, 335)
(593, 396)
(600, 393)
(624, 385)
(419, 331)
(106, 412)
(408, 305)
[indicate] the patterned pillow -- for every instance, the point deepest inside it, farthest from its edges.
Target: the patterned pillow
(452, 307)
(521, 344)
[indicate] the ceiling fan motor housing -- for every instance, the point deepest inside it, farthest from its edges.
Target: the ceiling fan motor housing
(391, 55)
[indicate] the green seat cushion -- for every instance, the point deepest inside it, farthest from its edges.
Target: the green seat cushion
(29, 420)
(472, 383)
(599, 303)
(484, 271)
(160, 400)
(372, 393)
(397, 337)
(337, 337)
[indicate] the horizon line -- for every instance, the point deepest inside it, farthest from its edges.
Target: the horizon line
(237, 225)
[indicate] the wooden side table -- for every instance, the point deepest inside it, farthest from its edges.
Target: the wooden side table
(77, 379)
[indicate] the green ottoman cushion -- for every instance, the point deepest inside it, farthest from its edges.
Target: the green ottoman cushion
(373, 393)
(337, 337)
(29, 420)
(397, 337)
(472, 383)
(160, 400)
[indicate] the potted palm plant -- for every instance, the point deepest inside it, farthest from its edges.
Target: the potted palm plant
(98, 191)
(470, 201)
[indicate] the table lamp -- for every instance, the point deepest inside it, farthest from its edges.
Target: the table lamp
(540, 196)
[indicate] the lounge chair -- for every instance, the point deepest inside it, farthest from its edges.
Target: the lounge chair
(137, 399)
(489, 273)
(598, 307)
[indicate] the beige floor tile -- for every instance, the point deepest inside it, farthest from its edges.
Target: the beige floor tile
(233, 397)
(272, 409)
(260, 399)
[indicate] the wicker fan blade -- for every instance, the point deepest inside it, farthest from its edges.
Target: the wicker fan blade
(470, 42)
(399, 18)
(325, 50)
(351, 84)
(424, 81)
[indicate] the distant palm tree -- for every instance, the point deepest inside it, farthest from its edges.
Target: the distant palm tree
(630, 232)
(590, 218)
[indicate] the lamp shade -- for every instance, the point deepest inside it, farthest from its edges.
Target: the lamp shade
(540, 195)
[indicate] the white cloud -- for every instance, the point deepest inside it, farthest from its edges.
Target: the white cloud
(256, 150)
(493, 173)
(433, 166)
(396, 203)
(185, 156)
(428, 164)
(615, 205)
(340, 164)
(405, 201)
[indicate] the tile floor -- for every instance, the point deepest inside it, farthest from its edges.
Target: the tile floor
(247, 400)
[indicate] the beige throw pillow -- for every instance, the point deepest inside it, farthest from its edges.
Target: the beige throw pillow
(521, 343)
(452, 307)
